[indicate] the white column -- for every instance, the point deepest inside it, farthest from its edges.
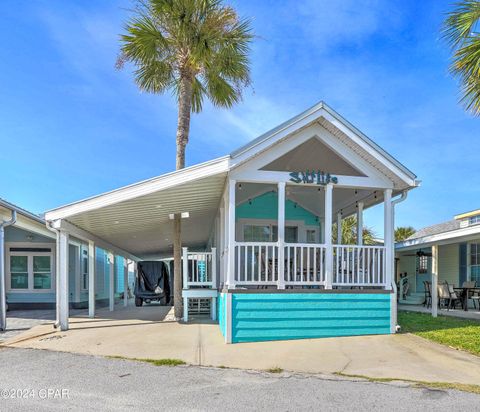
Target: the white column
(221, 250)
(62, 279)
(328, 236)
(231, 235)
(111, 295)
(125, 282)
(3, 289)
(360, 223)
(214, 267)
(434, 280)
(339, 228)
(91, 279)
(281, 236)
(388, 237)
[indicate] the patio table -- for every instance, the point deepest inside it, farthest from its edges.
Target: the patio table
(464, 293)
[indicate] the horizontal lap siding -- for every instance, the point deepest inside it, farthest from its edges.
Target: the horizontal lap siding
(263, 317)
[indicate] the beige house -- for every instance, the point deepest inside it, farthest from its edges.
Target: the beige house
(458, 256)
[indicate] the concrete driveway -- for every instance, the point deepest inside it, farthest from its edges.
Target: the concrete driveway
(147, 333)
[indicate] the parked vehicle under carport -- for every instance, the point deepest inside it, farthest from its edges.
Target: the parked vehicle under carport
(152, 283)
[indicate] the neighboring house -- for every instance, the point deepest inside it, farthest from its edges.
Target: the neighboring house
(458, 242)
(257, 231)
(30, 273)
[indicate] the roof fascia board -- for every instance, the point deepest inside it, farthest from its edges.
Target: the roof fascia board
(61, 224)
(169, 180)
(20, 211)
(453, 235)
(283, 129)
(30, 225)
(366, 143)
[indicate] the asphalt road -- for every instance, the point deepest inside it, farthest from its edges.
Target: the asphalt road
(43, 380)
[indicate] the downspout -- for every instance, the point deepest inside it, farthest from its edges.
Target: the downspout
(400, 199)
(3, 284)
(57, 307)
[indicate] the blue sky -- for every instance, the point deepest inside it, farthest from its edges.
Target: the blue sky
(72, 126)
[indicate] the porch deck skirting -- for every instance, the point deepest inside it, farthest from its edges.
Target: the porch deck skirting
(254, 316)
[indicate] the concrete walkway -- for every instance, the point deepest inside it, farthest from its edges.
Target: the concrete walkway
(144, 333)
(472, 313)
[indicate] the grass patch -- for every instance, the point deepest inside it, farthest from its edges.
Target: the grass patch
(457, 333)
(464, 387)
(156, 362)
(276, 369)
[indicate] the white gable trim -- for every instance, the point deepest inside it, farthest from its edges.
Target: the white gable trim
(311, 115)
(248, 170)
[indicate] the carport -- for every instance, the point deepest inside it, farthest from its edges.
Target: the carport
(136, 222)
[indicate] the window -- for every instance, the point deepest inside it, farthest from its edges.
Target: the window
(84, 268)
(19, 272)
(268, 233)
(42, 274)
(311, 236)
(422, 264)
(30, 269)
(474, 220)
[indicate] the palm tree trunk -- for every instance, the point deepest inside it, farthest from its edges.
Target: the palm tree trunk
(183, 130)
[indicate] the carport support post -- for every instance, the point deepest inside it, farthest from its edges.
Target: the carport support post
(328, 236)
(91, 279)
(388, 237)
(111, 299)
(434, 280)
(125, 282)
(185, 281)
(62, 278)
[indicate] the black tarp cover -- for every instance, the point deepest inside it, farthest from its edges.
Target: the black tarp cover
(152, 281)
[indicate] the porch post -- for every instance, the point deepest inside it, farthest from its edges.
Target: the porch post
(281, 236)
(469, 268)
(221, 250)
(125, 282)
(434, 280)
(91, 279)
(388, 237)
(360, 223)
(328, 237)
(111, 292)
(231, 235)
(62, 279)
(185, 266)
(339, 228)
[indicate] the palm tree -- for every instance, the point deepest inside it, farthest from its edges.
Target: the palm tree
(460, 30)
(403, 232)
(196, 49)
(349, 232)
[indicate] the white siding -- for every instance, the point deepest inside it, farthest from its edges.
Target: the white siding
(448, 264)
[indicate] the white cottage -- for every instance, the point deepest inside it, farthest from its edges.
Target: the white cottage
(257, 231)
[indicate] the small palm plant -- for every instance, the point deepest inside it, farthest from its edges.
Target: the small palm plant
(460, 29)
(197, 50)
(349, 232)
(403, 232)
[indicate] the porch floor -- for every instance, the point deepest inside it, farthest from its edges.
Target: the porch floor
(472, 313)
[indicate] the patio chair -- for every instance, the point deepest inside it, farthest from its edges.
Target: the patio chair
(428, 293)
(448, 296)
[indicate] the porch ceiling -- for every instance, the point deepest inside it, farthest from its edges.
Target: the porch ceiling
(142, 225)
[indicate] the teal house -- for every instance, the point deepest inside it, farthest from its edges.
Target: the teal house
(259, 248)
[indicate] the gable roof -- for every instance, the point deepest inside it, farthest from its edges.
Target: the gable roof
(436, 229)
(338, 126)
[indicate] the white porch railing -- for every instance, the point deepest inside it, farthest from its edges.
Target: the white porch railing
(304, 264)
(359, 265)
(199, 269)
(256, 263)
